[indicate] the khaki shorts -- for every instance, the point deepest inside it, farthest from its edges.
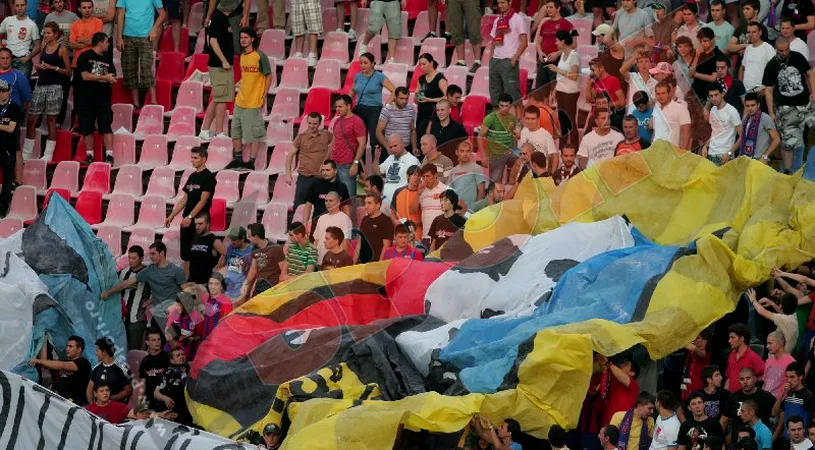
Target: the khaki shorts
(223, 84)
(248, 125)
(389, 13)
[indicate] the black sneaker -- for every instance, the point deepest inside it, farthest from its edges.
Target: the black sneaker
(249, 165)
(235, 164)
(109, 159)
(432, 34)
(475, 67)
(461, 63)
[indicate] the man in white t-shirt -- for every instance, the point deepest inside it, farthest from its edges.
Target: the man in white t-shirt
(540, 139)
(666, 428)
(756, 56)
(671, 119)
(787, 28)
(429, 197)
(334, 217)
(394, 169)
(725, 124)
(598, 145)
(22, 37)
(641, 79)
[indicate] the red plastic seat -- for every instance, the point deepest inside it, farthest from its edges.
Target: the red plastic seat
(277, 164)
(283, 193)
(89, 206)
(124, 149)
(128, 182)
(220, 153)
(319, 101)
(62, 151)
(243, 214)
(217, 215)
(327, 75)
(164, 95)
(481, 82)
(273, 43)
(190, 93)
(473, 111)
(122, 117)
(168, 46)
(151, 121)
(294, 76)
(154, 152)
(97, 178)
(278, 131)
(9, 226)
(523, 74)
(112, 237)
(121, 211)
(274, 220)
(335, 46)
(353, 69)
(66, 176)
(227, 186)
(286, 104)
(457, 75)
(80, 153)
(152, 213)
(64, 193)
(181, 152)
(422, 25)
(198, 62)
(171, 67)
(24, 204)
(162, 182)
(182, 123)
(34, 174)
(414, 79)
(256, 189)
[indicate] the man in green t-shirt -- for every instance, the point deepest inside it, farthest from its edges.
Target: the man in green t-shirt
(497, 138)
(302, 255)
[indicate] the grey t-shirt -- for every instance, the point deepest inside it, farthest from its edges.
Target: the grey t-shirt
(164, 283)
(763, 139)
(464, 179)
(631, 23)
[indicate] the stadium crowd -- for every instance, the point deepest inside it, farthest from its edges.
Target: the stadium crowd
(389, 169)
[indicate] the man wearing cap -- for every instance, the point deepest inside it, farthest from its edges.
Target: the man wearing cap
(510, 37)
(333, 218)
(10, 117)
(302, 255)
(271, 436)
(237, 259)
(662, 30)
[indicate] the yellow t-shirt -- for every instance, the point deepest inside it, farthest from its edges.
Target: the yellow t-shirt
(254, 69)
(636, 428)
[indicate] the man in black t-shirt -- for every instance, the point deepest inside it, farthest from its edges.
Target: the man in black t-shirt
(705, 70)
(220, 47)
(170, 390)
(116, 376)
(10, 117)
(72, 382)
(799, 11)
(153, 365)
(94, 102)
(315, 198)
(699, 427)
(749, 391)
(196, 199)
(205, 251)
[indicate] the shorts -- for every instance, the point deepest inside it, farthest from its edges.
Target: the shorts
(223, 84)
(173, 8)
(46, 100)
(248, 125)
(94, 118)
(383, 13)
(307, 17)
(137, 63)
(459, 12)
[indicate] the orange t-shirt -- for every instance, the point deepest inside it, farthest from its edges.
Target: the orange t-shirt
(84, 29)
(402, 199)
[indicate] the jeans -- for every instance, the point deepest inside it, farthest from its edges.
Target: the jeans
(797, 159)
(346, 179)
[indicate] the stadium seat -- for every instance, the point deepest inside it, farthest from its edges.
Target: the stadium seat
(164, 96)
(473, 111)
(363, 16)
(262, 158)
(198, 62)
(24, 204)
(528, 62)
(327, 75)
(37, 141)
(417, 73)
(120, 94)
(66, 176)
(457, 75)
(329, 19)
(481, 82)
(256, 189)
(196, 18)
(199, 47)
(81, 155)
(166, 43)
(273, 65)
(583, 27)
(294, 76)
(397, 73)
(220, 153)
(162, 182)
(273, 43)
(112, 237)
(182, 123)
(227, 186)
(278, 131)
(217, 215)
(286, 105)
(274, 220)
(128, 181)
(97, 178)
(9, 226)
(277, 163)
(486, 28)
(243, 213)
(62, 152)
(122, 117)
(121, 211)
(353, 69)
(64, 193)
(422, 27)
(124, 149)
(34, 174)
(283, 193)
(184, 176)
(335, 47)
(374, 48)
(152, 213)
(151, 121)
(171, 67)
(143, 237)
(523, 74)
(587, 53)
(190, 93)
(89, 206)
(406, 52)
(436, 47)
(318, 100)
(172, 239)
(154, 151)
(181, 152)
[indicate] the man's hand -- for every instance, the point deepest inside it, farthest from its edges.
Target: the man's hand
(167, 222)
(353, 170)
(34, 362)
(725, 158)
(186, 222)
(104, 295)
(377, 154)
(169, 402)
(120, 44)
(777, 273)
(226, 65)
(148, 304)
(751, 295)
(111, 78)
(152, 35)
(288, 179)
(772, 116)
(812, 97)
(513, 61)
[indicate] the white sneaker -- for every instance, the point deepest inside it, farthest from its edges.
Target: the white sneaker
(312, 59)
(339, 30)
(298, 55)
(363, 48)
(488, 11)
(222, 135)
(352, 35)
(391, 60)
(204, 135)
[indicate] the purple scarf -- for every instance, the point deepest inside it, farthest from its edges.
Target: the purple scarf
(750, 137)
(625, 432)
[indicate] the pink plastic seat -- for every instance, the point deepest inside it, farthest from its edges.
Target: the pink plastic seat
(9, 226)
(583, 27)
(319, 101)
(34, 174)
(151, 121)
(397, 73)
(363, 16)
(190, 93)
(112, 237)
(422, 27)
(228, 186)
(587, 53)
(154, 151)
(244, 213)
(486, 27)
(457, 75)
(89, 206)
(171, 67)
(435, 46)
(294, 76)
(24, 204)
(329, 19)
(327, 75)
(37, 141)
(481, 82)
(124, 149)
(172, 239)
(220, 153)
(196, 18)
(273, 43)
(262, 158)
(405, 49)
(374, 48)
(274, 221)
(256, 189)
(122, 117)
(97, 178)
(162, 182)
(283, 193)
(152, 213)
(286, 104)
(278, 131)
(199, 47)
(143, 237)
(121, 211)
(181, 152)
(277, 164)
(184, 176)
(182, 123)
(335, 46)
(128, 181)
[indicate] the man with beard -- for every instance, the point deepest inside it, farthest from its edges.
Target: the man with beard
(695, 430)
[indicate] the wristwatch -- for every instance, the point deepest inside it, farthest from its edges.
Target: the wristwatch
(190, 217)
(356, 161)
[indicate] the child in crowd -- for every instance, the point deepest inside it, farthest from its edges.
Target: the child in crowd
(401, 247)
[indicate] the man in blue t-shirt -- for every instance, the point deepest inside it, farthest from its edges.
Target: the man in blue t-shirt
(794, 400)
(136, 33)
(238, 259)
(644, 113)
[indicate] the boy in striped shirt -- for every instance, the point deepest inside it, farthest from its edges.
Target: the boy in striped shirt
(401, 248)
(302, 254)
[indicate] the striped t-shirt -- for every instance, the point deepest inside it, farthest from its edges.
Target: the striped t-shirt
(132, 298)
(499, 134)
(299, 257)
(398, 121)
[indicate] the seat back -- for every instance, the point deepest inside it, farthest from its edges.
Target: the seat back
(111, 235)
(64, 193)
(97, 178)
(353, 69)
(34, 174)
(120, 211)
(62, 152)
(143, 237)
(327, 75)
(396, 72)
(473, 111)
(220, 153)
(273, 43)
(329, 19)
(405, 49)
(217, 215)
(154, 151)
(318, 100)
(198, 62)
(481, 82)
(182, 123)
(151, 121)
(274, 220)
(295, 74)
(122, 117)
(283, 193)
(162, 182)
(286, 104)
(153, 212)
(164, 94)
(277, 131)
(422, 26)
(244, 213)
(181, 152)
(124, 149)
(168, 45)
(191, 93)
(227, 186)
(457, 75)
(172, 239)
(583, 27)
(171, 67)
(277, 164)
(196, 18)
(9, 226)
(335, 46)
(24, 204)
(89, 206)
(128, 181)
(374, 48)
(256, 188)
(363, 16)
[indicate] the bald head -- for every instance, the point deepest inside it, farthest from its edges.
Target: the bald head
(428, 144)
(333, 195)
(395, 145)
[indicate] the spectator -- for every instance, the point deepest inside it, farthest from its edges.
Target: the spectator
(504, 437)
(671, 119)
(374, 184)
(377, 232)
(248, 126)
(311, 148)
(429, 197)
(690, 24)
(432, 155)
(171, 389)
(798, 438)
(237, 259)
(784, 317)
(632, 141)
(64, 20)
(722, 29)
(802, 15)
(697, 357)
(405, 199)
(220, 47)
(460, 12)
(445, 225)
(368, 87)
(622, 385)
(394, 168)
(383, 12)
(611, 52)
(810, 428)
(726, 121)
(336, 254)
(135, 40)
(135, 299)
(81, 41)
(714, 396)
(110, 372)
(568, 168)
(665, 72)
(795, 400)
(238, 16)
(521, 169)
(749, 413)
(103, 406)
(53, 69)
(301, 256)
(548, 50)
(454, 94)
(10, 117)
(741, 356)
(667, 425)
(105, 10)
(94, 102)
(580, 11)
(467, 178)
(610, 436)
(662, 30)
(316, 195)
(541, 140)
(307, 19)
(401, 247)
(267, 264)
(789, 92)
(205, 252)
(777, 362)
(272, 437)
(733, 88)
(643, 112)
(756, 57)
(432, 88)
(333, 217)
(557, 437)
(493, 196)
(631, 24)
(184, 326)
(602, 82)
(699, 427)
(686, 54)
(633, 422)
(567, 89)
(398, 119)
(176, 11)
(703, 68)
(599, 145)
(496, 138)
(22, 38)
(762, 401)
(74, 372)
(760, 139)
(152, 367)
(448, 133)
(510, 38)
(348, 143)
(640, 79)
(164, 279)
(196, 198)
(787, 28)
(739, 42)
(340, 6)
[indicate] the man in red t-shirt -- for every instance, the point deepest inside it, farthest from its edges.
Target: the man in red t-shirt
(113, 412)
(633, 142)
(623, 387)
(697, 357)
(348, 143)
(546, 45)
(602, 81)
(741, 356)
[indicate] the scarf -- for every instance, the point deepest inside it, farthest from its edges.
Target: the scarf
(625, 432)
(750, 137)
(503, 26)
